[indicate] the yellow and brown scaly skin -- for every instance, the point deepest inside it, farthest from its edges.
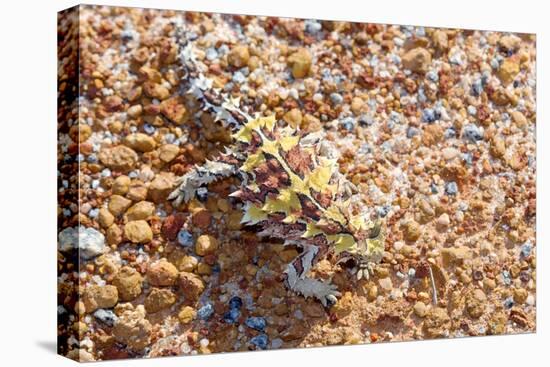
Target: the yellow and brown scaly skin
(290, 190)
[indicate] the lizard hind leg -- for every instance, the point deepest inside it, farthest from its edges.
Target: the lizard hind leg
(297, 280)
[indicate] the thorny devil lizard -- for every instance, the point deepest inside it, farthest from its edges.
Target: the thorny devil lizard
(290, 188)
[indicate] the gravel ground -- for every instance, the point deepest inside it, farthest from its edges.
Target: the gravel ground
(436, 127)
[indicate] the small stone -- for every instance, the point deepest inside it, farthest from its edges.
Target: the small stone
(128, 283)
(191, 285)
(475, 303)
(257, 323)
(498, 147)
(260, 341)
(138, 231)
(119, 158)
(114, 235)
(472, 133)
(372, 293)
(520, 296)
(385, 284)
(174, 110)
(187, 314)
(121, 185)
(113, 103)
(107, 317)
(105, 218)
(206, 245)
(96, 296)
(202, 218)
(238, 56)
(451, 188)
(420, 309)
(140, 142)
(172, 225)
(443, 221)
(133, 329)
(204, 269)
(185, 238)
(300, 62)
(88, 241)
(417, 59)
(118, 205)
(293, 117)
(142, 210)
(440, 40)
(449, 153)
(159, 299)
(519, 119)
(162, 273)
(508, 71)
(489, 284)
(509, 42)
(205, 312)
(357, 106)
(456, 255)
(437, 323)
(161, 186)
(187, 263)
(412, 231)
(135, 111)
(168, 152)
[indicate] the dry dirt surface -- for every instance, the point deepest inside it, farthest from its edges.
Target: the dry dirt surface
(436, 127)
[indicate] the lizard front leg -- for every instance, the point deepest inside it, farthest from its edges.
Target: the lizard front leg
(297, 280)
(199, 176)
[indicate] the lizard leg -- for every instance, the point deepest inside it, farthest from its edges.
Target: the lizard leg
(297, 281)
(199, 176)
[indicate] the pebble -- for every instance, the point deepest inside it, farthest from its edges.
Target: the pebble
(159, 299)
(385, 284)
(206, 245)
(128, 283)
(191, 285)
(205, 312)
(133, 329)
(257, 323)
(451, 188)
(508, 71)
(168, 152)
(449, 153)
(185, 238)
(118, 205)
(140, 142)
(187, 314)
(475, 303)
(300, 63)
(472, 133)
(420, 309)
(174, 110)
(105, 218)
(260, 341)
(160, 187)
(140, 211)
(238, 56)
(138, 231)
(89, 242)
(412, 231)
(96, 296)
(107, 317)
(417, 59)
(119, 158)
(121, 185)
(162, 273)
(443, 220)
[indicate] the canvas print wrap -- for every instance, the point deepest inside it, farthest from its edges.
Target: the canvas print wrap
(237, 183)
